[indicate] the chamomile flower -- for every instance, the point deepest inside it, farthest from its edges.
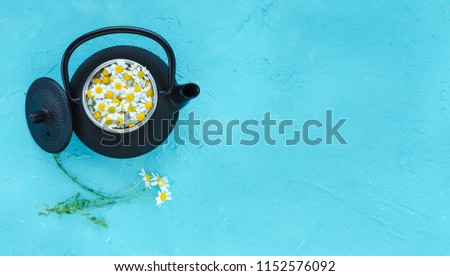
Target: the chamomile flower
(162, 182)
(147, 102)
(108, 121)
(106, 72)
(99, 91)
(117, 100)
(120, 119)
(140, 74)
(89, 94)
(162, 197)
(146, 178)
(112, 108)
(150, 92)
(129, 96)
(129, 107)
(100, 106)
(118, 85)
(137, 88)
(119, 67)
(139, 109)
(140, 116)
(106, 80)
(97, 115)
(127, 76)
(110, 93)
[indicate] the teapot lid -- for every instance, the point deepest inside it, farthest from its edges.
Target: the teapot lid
(48, 115)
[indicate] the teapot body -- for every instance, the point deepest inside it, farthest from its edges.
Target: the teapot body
(128, 143)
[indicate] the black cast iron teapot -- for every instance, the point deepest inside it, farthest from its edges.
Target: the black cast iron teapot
(122, 102)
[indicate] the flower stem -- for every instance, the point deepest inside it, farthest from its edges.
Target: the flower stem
(74, 179)
(127, 190)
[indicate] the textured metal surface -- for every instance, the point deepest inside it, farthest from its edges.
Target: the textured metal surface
(53, 135)
(131, 144)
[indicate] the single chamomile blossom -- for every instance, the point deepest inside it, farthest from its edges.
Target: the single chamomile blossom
(99, 91)
(147, 102)
(100, 105)
(139, 73)
(106, 72)
(150, 92)
(112, 108)
(118, 85)
(127, 77)
(139, 114)
(109, 95)
(108, 122)
(162, 182)
(129, 107)
(89, 94)
(146, 178)
(120, 119)
(119, 68)
(162, 197)
(148, 84)
(129, 96)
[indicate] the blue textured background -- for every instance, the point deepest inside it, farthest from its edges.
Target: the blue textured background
(382, 64)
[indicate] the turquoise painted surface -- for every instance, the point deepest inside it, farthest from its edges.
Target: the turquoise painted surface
(382, 64)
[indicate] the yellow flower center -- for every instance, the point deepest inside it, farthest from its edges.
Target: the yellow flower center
(105, 80)
(163, 196)
(98, 89)
(118, 85)
(131, 108)
(147, 177)
(127, 77)
(112, 109)
(141, 74)
(119, 121)
(109, 95)
(116, 100)
(150, 93)
(97, 115)
(147, 83)
(131, 125)
(129, 97)
(137, 88)
(89, 94)
(148, 105)
(101, 107)
(160, 181)
(108, 121)
(105, 72)
(141, 117)
(119, 69)
(97, 81)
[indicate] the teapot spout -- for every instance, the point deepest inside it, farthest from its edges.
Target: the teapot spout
(182, 94)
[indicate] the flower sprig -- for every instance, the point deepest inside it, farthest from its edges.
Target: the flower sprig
(83, 207)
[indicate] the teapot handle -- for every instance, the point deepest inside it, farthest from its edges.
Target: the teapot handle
(115, 30)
